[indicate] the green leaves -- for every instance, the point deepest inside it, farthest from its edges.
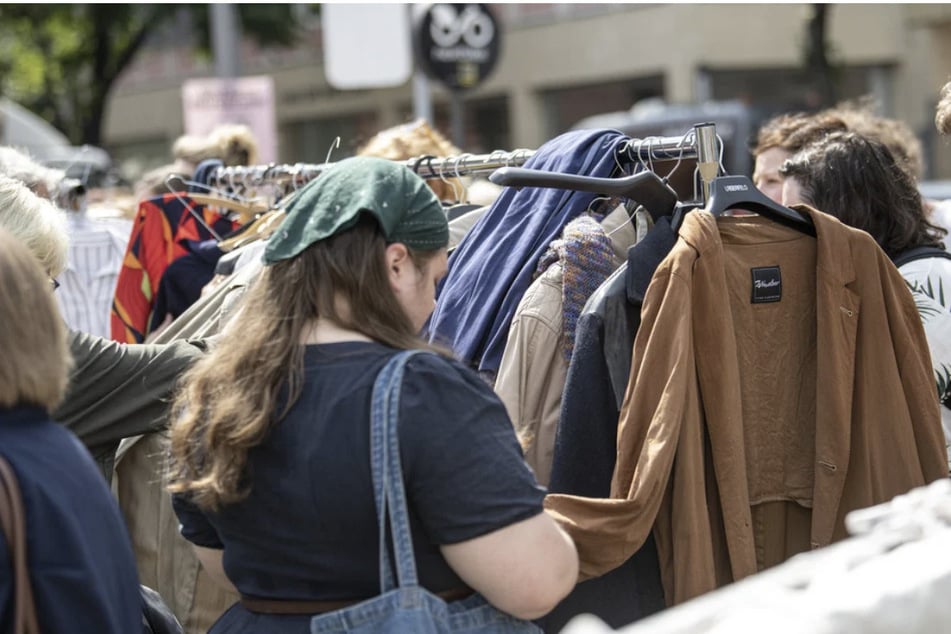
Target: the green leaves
(61, 60)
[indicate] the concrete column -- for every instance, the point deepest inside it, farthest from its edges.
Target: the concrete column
(526, 118)
(680, 83)
(387, 114)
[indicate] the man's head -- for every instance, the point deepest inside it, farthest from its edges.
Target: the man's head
(780, 138)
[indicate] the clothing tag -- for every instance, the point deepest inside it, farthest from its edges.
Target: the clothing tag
(767, 285)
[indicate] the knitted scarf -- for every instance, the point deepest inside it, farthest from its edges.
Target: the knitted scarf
(587, 259)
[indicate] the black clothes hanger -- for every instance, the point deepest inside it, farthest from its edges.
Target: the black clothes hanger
(646, 188)
(680, 212)
(738, 192)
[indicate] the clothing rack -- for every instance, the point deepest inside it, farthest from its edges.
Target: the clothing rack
(698, 143)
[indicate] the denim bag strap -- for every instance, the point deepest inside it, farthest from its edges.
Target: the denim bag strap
(387, 474)
(403, 605)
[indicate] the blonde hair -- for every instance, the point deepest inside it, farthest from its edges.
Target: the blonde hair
(413, 140)
(942, 116)
(233, 144)
(35, 361)
(35, 222)
(43, 181)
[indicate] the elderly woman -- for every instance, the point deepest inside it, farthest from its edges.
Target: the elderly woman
(79, 557)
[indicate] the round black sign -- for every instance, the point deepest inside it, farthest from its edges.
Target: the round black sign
(457, 44)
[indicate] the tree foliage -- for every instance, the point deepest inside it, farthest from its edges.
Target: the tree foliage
(62, 60)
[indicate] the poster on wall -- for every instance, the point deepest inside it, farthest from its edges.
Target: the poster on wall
(245, 100)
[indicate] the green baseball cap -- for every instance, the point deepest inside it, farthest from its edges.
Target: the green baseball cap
(406, 208)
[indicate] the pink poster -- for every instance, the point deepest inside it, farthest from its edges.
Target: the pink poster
(248, 100)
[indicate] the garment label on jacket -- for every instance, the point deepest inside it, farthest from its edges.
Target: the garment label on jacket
(767, 285)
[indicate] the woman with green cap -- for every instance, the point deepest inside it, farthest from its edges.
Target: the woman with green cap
(270, 456)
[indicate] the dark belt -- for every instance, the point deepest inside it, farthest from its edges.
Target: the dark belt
(279, 606)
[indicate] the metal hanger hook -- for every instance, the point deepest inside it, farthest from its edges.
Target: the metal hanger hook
(465, 190)
(333, 146)
(680, 157)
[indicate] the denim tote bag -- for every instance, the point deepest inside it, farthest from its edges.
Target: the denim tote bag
(405, 606)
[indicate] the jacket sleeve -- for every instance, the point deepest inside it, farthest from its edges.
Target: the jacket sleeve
(532, 375)
(120, 390)
(608, 532)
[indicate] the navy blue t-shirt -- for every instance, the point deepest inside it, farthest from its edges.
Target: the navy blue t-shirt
(80, 558)
(308, 529)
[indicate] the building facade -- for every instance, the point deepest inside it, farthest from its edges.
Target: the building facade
(563, 62)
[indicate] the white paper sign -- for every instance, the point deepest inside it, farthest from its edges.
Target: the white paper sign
(245, 100)
(366, 45)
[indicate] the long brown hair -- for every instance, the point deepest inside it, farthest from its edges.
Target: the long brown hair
(228, 399)
(857, 180)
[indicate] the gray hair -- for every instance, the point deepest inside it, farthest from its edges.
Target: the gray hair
(35, 222)
(43, 181)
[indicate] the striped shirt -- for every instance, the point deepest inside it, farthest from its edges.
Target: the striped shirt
(87, 286)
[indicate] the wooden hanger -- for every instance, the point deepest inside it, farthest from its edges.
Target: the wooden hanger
(260, 228)
(246, 210)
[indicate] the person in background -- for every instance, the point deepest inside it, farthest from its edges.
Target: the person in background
(418, 139)
(773, 147)
(781, 137)
(269, 420)
(115, 390)
(940, 210)
(414, 140)
(42, 181)
(80, 559)
(96, 245)
(858, 180)
(232, 144)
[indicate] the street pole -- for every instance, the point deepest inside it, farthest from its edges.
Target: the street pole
(225, 39)
(457, 119)
(422, 95)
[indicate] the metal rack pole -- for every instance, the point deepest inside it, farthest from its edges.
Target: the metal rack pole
(699, 143)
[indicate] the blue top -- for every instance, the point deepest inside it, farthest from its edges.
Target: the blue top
(308, 529)
(495, 263)
(182, 282)
(80, 558)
